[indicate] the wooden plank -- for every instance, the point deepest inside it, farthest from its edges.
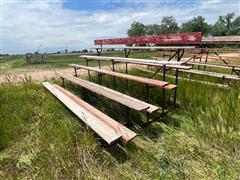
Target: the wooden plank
(177, 38)
(148, 47)
(169, 64)
(221, 40)
(125, 133)
(150, 82)
(122, 59)
(223, 66)
(213, 74)
(113, 95)
(215, 58)
(170, 86)
(223, 86)
(98, 126)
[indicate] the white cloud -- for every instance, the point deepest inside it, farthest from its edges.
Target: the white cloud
(27, 24)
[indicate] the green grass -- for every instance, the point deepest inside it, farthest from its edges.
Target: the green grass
(18, 63)
(40, 138)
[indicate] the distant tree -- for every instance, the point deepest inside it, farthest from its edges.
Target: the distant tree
(227, 20)
(152, 29)
(235, 29)
(136, 29)
(168, 25)
(85, 50)
(195, 25)
(218, 29)
(224, 25)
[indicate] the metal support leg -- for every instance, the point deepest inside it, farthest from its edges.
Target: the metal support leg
(164, 72)
(232, 70)
(171, 57)
(89, 76)
(75, 71)
(83, 93)
(126, 79)
(114, 78)
(127, 116)
(238, 72)
(63, 83)
(99, 64)
(99, 78)
(175, 90)
(127, 52)
(147, 93)
(206, 61)
(163, 100)
(147, 116)
(223, 78)
(200, 60)
(163, 92)
(98, 54)
(178, 55)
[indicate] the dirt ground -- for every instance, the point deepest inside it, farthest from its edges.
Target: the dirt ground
(231, 55)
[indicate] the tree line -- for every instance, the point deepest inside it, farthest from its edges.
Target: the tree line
(225, 26)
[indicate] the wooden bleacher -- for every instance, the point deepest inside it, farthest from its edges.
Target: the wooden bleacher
(149, 62)
(111, 94)
(150, 82)
(107, 128)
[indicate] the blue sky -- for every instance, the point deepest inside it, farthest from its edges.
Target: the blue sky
(92, 5)
(55, 24)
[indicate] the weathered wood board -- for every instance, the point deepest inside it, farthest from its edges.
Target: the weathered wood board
(111, 94)
(177, 38)
(98, 126)
(150, 82)
(149, 62)
(126, 134)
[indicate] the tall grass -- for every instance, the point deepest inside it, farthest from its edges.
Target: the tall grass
(40, 138)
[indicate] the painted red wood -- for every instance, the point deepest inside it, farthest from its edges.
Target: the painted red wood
(178, 38)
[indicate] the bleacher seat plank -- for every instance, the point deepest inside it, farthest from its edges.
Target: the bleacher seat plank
(113, 95)
(126, 134)
(221, 40)
(97, 125)
(148, 47)
(150, 82)
(169, 64)
(126, 60)
(213, 74)
(177, 38)
(223, 66)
